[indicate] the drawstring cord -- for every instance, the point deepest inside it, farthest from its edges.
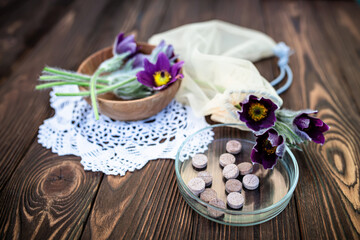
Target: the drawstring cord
(282, 51)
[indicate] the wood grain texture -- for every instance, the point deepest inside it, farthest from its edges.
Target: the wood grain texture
(143, 210)
(21, 27)
(25, 109)
(179, 13)
(329, 175)
(45, 196)
(48, 197)
(22, 109)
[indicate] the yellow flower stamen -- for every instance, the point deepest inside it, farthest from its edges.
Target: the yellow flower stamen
(161, 78)
(269, 149)
(257, 111)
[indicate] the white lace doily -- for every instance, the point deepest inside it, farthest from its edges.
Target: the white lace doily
(115, 147)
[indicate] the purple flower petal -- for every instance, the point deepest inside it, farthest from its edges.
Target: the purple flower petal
(268, 148)
(324, 127)
(119, 38)
(149, 67)
(317, 138)
(162, 63)
(256, 156)
(160, 87)
(270, 162)
(160, 75)
(310, 128)
(169, 51)
(175, 69)
(302, 134)
(303, 122)
(139, 60)
(257, 114)
(273, 137)
(280, 150)
(127, 45)
(317, 122)
(161, 44)
(145, 78)
(124, 44)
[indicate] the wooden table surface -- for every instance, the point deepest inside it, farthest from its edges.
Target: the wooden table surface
(46, 196)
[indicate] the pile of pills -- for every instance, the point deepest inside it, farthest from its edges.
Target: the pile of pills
(200, 185)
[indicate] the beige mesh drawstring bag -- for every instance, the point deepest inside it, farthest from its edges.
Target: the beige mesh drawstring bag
(218, 70)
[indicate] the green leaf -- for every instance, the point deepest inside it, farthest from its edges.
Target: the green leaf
(285, 130)
(294, 146)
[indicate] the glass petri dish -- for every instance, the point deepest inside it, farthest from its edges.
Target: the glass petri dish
(262, 204)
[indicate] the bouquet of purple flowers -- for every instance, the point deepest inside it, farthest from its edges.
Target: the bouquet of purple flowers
(129, 74)
(277, 128)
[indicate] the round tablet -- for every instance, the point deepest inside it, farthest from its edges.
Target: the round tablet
(199, 161)
(233, 185)
(196, 185)
(231, 171)
(235, 200)
(208, 195)
(233, 146)
(250, 181)
(217, 203)
(226, 159)
(245, 168)
(206, 177)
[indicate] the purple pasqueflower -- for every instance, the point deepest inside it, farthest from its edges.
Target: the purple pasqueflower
(167, 49)
(257, 113)
(310, 128)
(162, 47)
(124, 44)
(161, 74)
(268, 148)
(138, 60)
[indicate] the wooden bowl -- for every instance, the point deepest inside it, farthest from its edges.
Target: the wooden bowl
(127, 110)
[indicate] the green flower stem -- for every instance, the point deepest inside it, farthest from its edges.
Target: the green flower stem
(93, 91)
(68, 74)
(60, 78)
(100, 91)
(52, 84)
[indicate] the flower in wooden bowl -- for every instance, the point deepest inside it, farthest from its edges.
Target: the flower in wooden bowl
(127, 110)
(160, 75)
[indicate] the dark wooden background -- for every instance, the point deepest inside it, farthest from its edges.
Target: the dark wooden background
(46, 196)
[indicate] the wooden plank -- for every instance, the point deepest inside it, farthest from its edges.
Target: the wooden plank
(340, 23)
(22, 109)
(22, 25)
(327, 195)
(74, 38)
(48, 197)
(278, 228)
(140, 205)
(147, 203)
